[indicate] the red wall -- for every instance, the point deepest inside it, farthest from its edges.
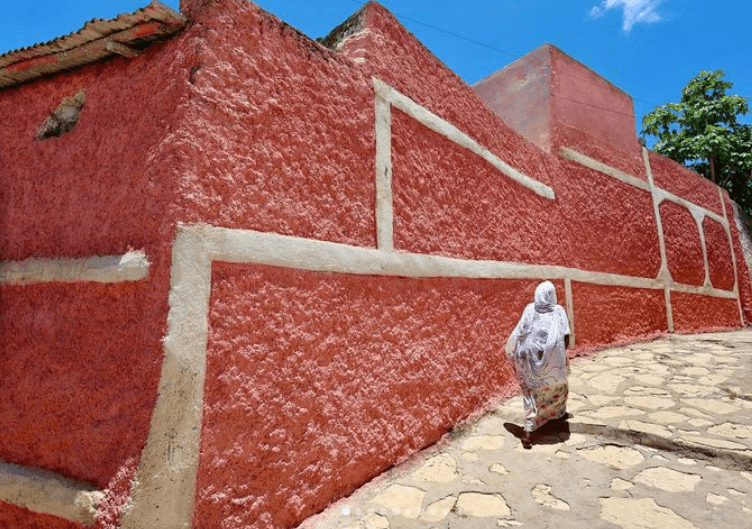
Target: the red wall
(682, 182)
(242, 122)
(592, 116)
(80, 384)
(358, 388)
(608, 314)
(683, 244)
(521, 94)
(693, 313)
(720, 266)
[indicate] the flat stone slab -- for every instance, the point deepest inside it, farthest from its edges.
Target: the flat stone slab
(480, 505)
(401, 500)
(641, 513)
(616, 457)
(668, 479)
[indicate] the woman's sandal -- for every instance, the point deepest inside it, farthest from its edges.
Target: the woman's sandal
(527, 442)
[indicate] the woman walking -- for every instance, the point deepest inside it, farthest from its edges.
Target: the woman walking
(537, 349)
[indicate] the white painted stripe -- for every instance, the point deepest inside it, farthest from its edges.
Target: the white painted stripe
(48, 493)
(661, 193)
(704, 246)
(384, 196)
(164, 488)
(591, 163)
(669, 309)
(165, 484)
(570, 311)
(246, 246)
(697, 211)
(664, 273)
(131, 266)
(737, 286)
(449, 131)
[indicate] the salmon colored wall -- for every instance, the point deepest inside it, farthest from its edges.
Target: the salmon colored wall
(279, 135)
(242, 122)
(677, 179)
(80, 384)
(683, 245)
(592, 116)
(742, 270)
(720, 265)
(693, 313)
(521, 94)
(359, 388)
(606, 314)
(14, 517)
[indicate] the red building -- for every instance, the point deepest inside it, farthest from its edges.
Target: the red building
(243, 272)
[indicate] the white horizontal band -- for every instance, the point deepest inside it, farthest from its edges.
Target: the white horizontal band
(131, 266)
(591, 163)
(48, 493)
(246, 246)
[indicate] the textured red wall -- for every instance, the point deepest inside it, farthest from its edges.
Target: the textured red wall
(242, 122)
(720, 266)
(677, 179)
(683, 245)
(279, 133)
(606, 314)
(14, 517)
(742, 270)
(357, 388)
(623, 217)
(693, 313)
(79, 388)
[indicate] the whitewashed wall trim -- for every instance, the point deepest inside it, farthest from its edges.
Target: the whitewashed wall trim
(47, 493)
(449, 131)
(132, 266)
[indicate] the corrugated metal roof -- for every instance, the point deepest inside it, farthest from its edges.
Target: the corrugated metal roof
(123, 35)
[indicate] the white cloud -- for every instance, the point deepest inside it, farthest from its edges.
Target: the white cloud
(634, 11)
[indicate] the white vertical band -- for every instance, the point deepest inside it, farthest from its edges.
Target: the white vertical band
(384, 195)
(570, 310)
(165, 484)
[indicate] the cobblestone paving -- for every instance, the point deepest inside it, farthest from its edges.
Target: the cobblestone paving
(659, 436)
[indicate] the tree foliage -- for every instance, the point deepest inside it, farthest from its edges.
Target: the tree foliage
(703, 132)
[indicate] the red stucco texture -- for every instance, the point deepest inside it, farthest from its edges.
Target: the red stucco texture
(683, 244)
(556, 101)
(80, 385)
(684, 183)
(592, 116)
(742, 269)
(607, 314)
(315, 382)
(14, 517)
(279, 135)
(358, 387)
(720, 265)
(693, 313)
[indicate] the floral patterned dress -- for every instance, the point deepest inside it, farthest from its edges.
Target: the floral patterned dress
(538, 352)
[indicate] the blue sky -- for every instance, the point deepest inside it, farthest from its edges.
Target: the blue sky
(649, 48)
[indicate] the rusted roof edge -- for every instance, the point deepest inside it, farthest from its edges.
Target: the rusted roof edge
(96, 40)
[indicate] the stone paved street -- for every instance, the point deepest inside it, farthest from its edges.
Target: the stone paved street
(659, 436)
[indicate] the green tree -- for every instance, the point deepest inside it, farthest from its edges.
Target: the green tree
(703, 132)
